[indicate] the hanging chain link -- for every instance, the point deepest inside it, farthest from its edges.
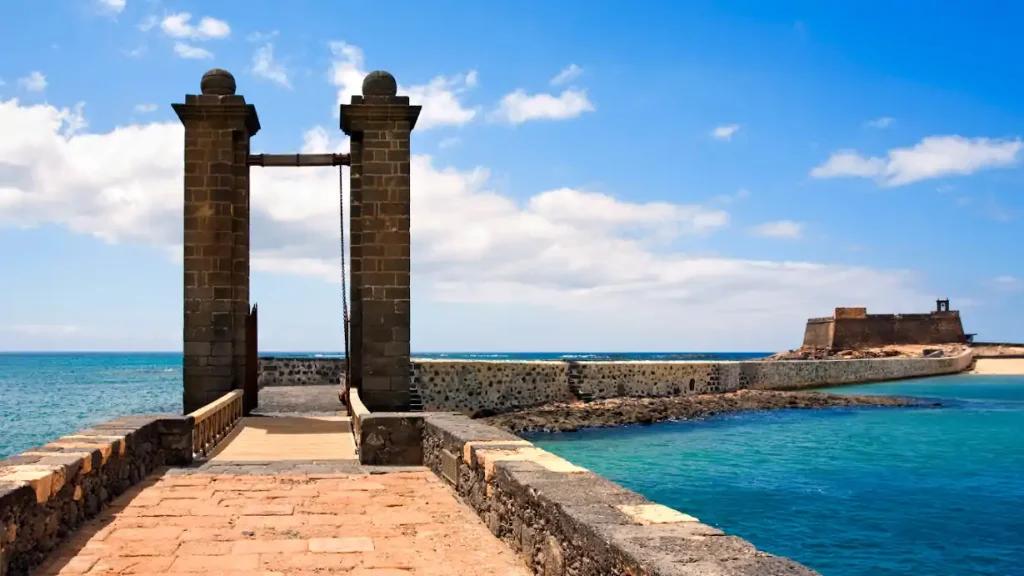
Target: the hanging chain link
(344, 290)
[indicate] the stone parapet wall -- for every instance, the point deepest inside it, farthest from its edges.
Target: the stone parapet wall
(790, 375)
(463, 385)
(638, 379)
(48, 491)
(503, 386)
(300, 371)
(566, 520)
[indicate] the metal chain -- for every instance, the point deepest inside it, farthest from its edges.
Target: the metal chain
(344, 290)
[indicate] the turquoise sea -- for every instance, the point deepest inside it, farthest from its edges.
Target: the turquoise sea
(848, 492)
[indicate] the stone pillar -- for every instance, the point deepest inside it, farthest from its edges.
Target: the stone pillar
(379, 123)
(218, 125)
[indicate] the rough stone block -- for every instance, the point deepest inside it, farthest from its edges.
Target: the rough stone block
(391, 439)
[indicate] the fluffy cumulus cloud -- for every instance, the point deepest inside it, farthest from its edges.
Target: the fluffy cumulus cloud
(191, 52)
(519, 106)
(577, 255)
(442, 97)
(932, 157)
(180, 27)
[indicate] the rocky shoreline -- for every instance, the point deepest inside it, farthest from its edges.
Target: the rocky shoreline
(567, 417)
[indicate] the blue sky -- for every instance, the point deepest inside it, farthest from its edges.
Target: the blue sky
(687, 176)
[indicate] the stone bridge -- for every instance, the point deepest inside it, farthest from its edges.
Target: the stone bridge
(306, 479)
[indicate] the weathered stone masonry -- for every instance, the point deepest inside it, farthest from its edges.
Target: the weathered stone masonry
(500, 386)
(851, 328)
(379, 124)
(567, 521)
(295, 371)
(48, 491)
(218, 126)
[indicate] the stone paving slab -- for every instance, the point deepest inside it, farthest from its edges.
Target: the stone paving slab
(306, 400)
(395, 524)
(287, 438)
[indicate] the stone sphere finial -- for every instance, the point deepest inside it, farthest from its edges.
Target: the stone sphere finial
(218, 82)
(380, 83)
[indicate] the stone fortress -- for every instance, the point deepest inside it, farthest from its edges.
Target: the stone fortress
(392, 479)
(852, 328)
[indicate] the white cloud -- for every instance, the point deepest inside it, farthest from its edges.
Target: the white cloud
(145, 108)
(190, 52)
(1008, 283)
(2, 82)
(48, 330)
(565, 252)
(180, 26)
(265, 66)
(441, 98)
(34, 82)
(569, 73)
(932, 157)
(779, 229)
(113, 6)
(725, 132)
(519, 107)
(883, 122)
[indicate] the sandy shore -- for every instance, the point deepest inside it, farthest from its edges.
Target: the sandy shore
(999, 366)
(566, 417)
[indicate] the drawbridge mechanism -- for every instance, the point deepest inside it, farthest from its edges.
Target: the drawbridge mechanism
(315, 160)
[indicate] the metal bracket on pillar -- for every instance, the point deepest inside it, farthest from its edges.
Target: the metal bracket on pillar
(299, 160)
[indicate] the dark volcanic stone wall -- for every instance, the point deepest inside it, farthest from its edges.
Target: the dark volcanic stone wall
(287, 371)
(48, 491)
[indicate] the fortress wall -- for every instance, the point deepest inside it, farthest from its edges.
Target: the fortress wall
(790, 375)
(289, 371)
(876, 330)
(471, 385)
(639, 379)
(818, 333)
(502, 386)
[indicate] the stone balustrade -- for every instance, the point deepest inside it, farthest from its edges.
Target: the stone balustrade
(213, 422)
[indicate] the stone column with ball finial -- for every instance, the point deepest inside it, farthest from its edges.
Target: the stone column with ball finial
(380, 123)
(218, 125)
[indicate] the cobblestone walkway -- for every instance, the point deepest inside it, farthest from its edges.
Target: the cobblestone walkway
(395, 524)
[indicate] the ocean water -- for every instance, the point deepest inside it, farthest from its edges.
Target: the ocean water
(44, 396)
(848, 492)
